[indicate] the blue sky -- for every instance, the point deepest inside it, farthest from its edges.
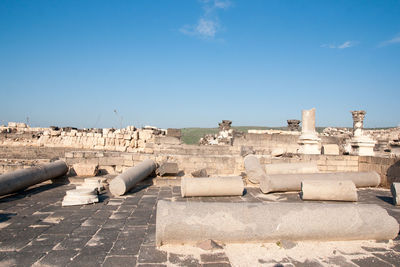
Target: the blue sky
(187, 63)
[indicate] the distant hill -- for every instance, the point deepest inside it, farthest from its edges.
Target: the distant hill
(192, 136)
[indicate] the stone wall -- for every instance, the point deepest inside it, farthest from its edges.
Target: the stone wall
(388, 168)
(127, 139)
(191, 159)
(218, 160)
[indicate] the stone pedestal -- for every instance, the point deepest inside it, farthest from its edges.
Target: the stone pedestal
(361, 145)
(308, 140)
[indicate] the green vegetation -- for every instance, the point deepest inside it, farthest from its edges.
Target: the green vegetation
(192, 136)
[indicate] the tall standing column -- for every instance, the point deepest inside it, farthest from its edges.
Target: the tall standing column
(361, 144)
(308, 140)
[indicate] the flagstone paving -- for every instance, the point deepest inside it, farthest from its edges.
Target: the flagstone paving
(36, 230)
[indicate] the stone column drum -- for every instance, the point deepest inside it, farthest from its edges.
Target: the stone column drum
(308, 140)
(292, 182)
(328, 190)
(212, 186)
(254, 171)
(193, 222)
(296, 167)
(15, 181)
(129, 178)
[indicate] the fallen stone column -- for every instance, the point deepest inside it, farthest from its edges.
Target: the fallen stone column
(292, 182)
(128, 179)
(328, 190)
(15, 181)
(297, 167)
(254, 170)
(193, 222)
(212, 186)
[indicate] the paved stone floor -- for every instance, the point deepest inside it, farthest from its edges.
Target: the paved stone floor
(36, 230)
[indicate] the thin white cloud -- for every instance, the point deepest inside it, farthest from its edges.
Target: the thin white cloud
(222, 4)
(208, 24)
(394, 40)
(346, 44)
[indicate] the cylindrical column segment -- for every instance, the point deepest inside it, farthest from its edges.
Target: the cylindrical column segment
(328, 190)
(292, 182)
(192, 222)
(212, 186)
(297, 167)
(129, 178)
(15, 181)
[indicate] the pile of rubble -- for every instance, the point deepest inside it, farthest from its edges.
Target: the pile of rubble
(224, 137)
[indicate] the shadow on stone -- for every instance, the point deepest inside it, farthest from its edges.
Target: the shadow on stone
(386, 199)
(28, 192)
(6, 216)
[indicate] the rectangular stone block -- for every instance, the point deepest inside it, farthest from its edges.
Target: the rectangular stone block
(111, 161)
(170, 168)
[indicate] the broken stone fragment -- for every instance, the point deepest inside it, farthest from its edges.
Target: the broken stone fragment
(208, 245)
(167, 168)
(80, 197)
(200, 173)
(93, 183)
(86, 169)
(254, 171)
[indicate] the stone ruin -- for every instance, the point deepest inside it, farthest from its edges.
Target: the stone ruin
(293, 125)
(224, 137)
(327, 166)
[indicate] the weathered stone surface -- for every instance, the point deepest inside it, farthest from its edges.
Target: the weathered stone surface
(292, 182)
(291, 168)
(361, 144)
(200, 173)
(254, 170)
(86, 169)
(208, 245)
(128, 179)
(190, 222)
(212, 186)
(21, 179)
(328, 190)
(330, 149)
(94, 184)
(293, 125)
(80, 197)
(395, 189)
(308, 140)
(167, 168)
